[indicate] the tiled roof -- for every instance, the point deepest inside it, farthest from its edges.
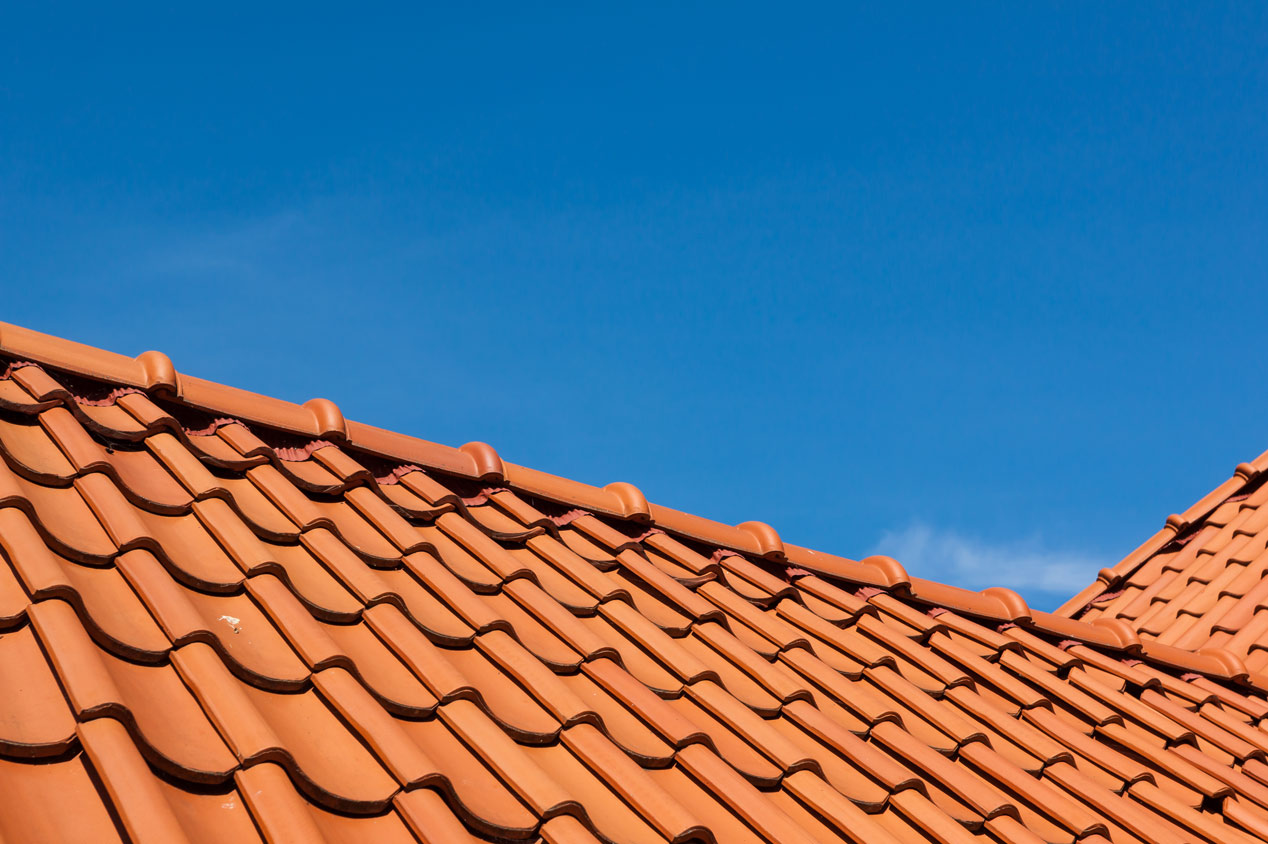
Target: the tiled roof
(1199, 583)
(230, 618)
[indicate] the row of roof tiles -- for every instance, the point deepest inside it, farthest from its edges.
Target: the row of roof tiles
(1202, 586)
(128, 380)
(212, 636)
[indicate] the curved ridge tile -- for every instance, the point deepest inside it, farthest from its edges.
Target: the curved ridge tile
(1014, 604)
(328, 422)
(158, 375)
(1124, 637)
(769, 545)
(633, 504)
(486, 465)
(891, 571)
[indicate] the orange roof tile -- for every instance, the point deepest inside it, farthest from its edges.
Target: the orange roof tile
(227, 617)
(1199, 584)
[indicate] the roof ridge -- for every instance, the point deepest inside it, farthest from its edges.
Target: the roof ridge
(154, 373)
(1245, 477)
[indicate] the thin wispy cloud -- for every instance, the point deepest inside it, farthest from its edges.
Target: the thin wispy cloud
(248, 248)
(1029, 566)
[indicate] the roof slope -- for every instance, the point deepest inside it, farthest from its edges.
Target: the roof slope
(224, 617)
(1200, 581)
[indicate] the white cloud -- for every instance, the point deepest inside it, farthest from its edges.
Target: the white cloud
(1025, 565)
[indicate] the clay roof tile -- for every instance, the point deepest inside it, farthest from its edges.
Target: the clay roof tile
(224, 615)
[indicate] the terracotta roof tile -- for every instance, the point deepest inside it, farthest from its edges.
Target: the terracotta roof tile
(225, 617)
(1199, 582)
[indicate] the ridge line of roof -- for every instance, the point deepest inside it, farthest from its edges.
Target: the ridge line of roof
(154, 373)
(1107, 579)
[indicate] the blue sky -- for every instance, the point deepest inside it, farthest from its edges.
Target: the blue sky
(981, 288)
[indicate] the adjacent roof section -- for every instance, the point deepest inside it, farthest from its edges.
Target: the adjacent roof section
(228, 618)
(1199, 582)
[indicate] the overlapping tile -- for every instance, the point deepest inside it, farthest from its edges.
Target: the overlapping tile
(211, 629)
(1202, 582)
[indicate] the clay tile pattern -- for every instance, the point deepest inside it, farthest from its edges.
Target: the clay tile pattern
(218, 623)
(1200, 583)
